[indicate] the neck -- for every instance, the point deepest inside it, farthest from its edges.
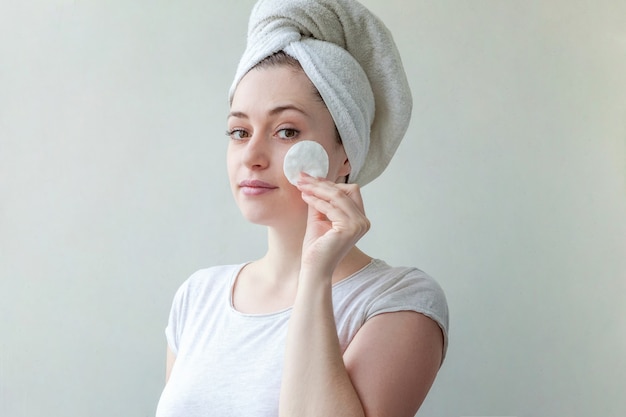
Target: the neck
(281, 263)
(284, 251)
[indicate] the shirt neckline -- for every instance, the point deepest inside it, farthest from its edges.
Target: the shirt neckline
(237, 270)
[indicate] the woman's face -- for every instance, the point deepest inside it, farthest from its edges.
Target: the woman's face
(273, 108)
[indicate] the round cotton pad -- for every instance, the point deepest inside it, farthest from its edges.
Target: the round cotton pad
(305, 156)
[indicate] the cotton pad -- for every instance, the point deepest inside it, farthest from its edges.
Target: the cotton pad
(305, 156)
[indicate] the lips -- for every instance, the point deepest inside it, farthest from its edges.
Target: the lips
(255, 187)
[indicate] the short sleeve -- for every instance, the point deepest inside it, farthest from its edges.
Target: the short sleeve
(176, 319)
(414, 291)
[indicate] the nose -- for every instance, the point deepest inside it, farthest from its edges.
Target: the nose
(257, 153)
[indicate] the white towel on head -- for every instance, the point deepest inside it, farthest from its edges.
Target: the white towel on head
(352, 60)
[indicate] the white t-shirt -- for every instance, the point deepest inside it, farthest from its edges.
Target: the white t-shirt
(229, 364)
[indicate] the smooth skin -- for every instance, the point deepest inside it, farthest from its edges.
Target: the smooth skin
(313, 228)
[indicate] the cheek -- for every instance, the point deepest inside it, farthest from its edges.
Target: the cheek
(279, 161)
(297, 207)
(231, 166)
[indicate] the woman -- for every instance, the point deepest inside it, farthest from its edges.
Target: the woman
(315, 327)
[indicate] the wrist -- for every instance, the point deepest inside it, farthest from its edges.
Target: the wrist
(314, 285)
(315, 274)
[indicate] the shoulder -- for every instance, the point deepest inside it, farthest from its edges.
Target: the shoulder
(205, 281)
(203, 292)
(411, 286)
(395, 286)
(381, 288)
(389, 277)
(212, 275)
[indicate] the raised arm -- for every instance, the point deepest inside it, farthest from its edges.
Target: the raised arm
(391, 363)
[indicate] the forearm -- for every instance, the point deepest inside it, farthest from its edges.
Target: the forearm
(315, 380)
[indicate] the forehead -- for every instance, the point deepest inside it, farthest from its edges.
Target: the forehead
(267, 84)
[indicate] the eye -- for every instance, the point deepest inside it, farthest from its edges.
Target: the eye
(288, 133)
(237, 134)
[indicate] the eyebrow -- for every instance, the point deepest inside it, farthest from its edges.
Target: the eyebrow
(276, 110)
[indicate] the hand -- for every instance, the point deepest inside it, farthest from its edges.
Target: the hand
(336, 221)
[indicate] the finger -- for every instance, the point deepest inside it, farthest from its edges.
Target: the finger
(346, 196)
(325, 208)
(352, 220)
(333, 203)
(353, 191)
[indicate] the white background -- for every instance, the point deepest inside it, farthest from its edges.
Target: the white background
(510, 189)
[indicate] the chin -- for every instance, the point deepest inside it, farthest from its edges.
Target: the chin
(274, 218)
(256, 219)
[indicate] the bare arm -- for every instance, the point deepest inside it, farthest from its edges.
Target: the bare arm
(393, 361)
